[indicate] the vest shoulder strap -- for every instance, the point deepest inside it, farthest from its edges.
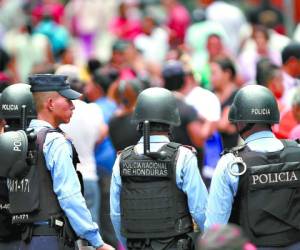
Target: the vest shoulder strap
(233, 150)
(290, 143)
(126, 152)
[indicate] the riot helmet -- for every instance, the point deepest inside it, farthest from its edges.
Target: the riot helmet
(254, 104)
(156, 105)
(13, 154)
(13, 98)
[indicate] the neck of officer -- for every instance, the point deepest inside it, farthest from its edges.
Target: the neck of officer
(48, 118)
(256, 128)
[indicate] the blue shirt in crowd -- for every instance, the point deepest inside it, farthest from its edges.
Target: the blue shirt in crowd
(188, 180)
(105, 153)
(66, 186)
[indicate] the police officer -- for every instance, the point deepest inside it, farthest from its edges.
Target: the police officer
(12, 99)
(257, 184)
(156, 187)
(47, 199)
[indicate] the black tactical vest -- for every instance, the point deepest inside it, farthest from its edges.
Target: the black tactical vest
(267, 204)
(8, 231)
(32, 198)
(152, 206)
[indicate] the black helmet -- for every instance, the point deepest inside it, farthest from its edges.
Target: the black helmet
(12, 99)
(156, 105)
(13, 153)
(254, 104)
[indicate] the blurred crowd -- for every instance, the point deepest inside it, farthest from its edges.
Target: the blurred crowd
(113, 49)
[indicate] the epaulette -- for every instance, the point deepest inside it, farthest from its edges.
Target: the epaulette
(190, 148)
(233, 150)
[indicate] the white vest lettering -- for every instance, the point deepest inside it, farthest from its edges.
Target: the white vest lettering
(274, 178)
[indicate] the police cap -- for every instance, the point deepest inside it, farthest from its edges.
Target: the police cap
(50, 82)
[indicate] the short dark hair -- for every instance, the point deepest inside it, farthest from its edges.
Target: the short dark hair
(102, 80)
(289, 51)
(227, 64)
(173, 75)
(265, 71)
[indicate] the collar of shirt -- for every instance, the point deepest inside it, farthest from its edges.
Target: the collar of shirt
(156, 142)
(38, 124)
(264, 141)
(156, 139)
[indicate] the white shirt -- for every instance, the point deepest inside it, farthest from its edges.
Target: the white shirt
(84, 130)
(205, 102)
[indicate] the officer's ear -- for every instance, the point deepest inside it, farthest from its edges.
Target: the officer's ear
(51, 100)
(13, 154)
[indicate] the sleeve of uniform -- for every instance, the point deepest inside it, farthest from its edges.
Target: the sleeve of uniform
(189, 180)
(58, 154)
(115, 189)
(223, 188)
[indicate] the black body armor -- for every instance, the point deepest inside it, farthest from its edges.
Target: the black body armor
(32, 198)
(267, 204)
(8, 231)
(152, 206)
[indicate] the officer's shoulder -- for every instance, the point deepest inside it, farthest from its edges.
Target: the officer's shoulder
(54, 137)
(189, 148)
(125, 150)
(233, 150)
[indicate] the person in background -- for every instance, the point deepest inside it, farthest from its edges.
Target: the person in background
(225, 87)
(97, 91)
(122, 131)
(85, 129)
(224, 237)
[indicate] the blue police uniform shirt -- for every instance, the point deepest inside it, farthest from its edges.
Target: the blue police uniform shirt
(224, 185)
(188, 180)
(58, 155)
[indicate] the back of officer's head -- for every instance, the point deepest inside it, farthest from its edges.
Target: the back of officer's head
(159, 107)
(173, 75)
(254, 104)
(13, 100)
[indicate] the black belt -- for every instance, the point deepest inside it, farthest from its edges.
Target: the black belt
(44, 230)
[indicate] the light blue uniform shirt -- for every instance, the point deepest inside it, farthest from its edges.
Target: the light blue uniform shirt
(224, 185)
(188, 180)
(58, 156)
